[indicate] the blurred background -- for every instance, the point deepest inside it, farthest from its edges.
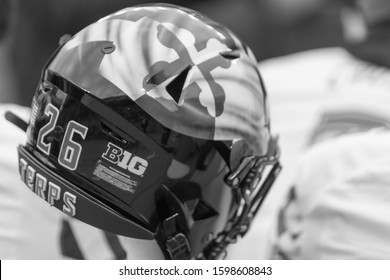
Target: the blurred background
(31, 30)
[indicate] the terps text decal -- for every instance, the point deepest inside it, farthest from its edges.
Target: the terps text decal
(46, 189)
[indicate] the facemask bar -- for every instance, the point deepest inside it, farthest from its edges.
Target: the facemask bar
(250, 195)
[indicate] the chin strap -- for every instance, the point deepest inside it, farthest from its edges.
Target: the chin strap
(171, 235)
(177, 245)
(249, 194)
(16, 120)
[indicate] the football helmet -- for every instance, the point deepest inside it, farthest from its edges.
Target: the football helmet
(152, 123)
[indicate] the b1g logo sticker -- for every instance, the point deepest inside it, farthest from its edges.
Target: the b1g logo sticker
(125, 159)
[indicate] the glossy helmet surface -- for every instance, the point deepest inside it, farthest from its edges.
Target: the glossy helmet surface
(152, 123)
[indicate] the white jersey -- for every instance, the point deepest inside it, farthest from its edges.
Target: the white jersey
(29, 228)
(338, 208)
(318, 88)
(315, 95)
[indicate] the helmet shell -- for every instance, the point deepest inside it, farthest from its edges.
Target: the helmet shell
(146, 112)
(191, 74)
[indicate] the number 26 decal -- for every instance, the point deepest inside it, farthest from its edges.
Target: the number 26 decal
(70, 150)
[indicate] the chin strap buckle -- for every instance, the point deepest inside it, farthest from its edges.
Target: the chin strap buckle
(178, 247)
(177, 244)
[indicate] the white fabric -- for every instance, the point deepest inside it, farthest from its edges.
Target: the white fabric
(342, 201)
